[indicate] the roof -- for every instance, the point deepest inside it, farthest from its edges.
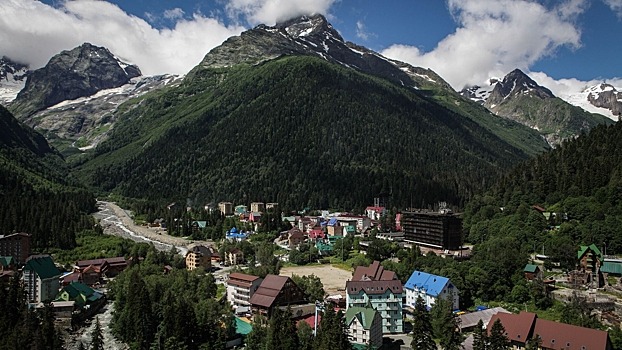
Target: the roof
(295, 233)
(517, 327)
(584, 249)
(374, 287)
(531, 268)
(375, 272)
(556, 335)
(364, 315)
(43, 266)
(268, 290)
(332, 222)
(612, 267)
(6, 261)
(237, 277)
(432, 284)
(199, 249)
(310, 320)
(470, 319)
(200, 224)
(374, 208)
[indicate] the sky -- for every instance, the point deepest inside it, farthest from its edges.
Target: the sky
(563, 44)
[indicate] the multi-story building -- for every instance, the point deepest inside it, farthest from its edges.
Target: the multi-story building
(259, 207)
(435, 229)
(240, 289)
(226, 208)
(41, 279)
(275, 291)
(382, 290)
(430, 288)
(16, 245)
(364, 326)
(198, 256)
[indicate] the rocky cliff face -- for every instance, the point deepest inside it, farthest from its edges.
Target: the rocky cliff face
(12, 79)
(71, 74)
(519, 98)
(606, 96)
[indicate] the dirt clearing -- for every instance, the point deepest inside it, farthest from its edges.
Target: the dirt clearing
(333, 278)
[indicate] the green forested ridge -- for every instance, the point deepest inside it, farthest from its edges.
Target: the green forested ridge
(580, 182)
(38, 194)
(298, 131)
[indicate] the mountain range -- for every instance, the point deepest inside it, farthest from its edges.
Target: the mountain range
(289, 113)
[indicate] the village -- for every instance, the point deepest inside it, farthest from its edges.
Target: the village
(378, 308)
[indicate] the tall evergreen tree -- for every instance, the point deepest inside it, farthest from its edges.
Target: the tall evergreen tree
(97, 336)
(497, 339)
(445, 325)
(422, 328)
(256, 339)
(480, 338)
(332, 334)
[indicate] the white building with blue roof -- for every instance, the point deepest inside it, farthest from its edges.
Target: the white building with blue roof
(430, 287)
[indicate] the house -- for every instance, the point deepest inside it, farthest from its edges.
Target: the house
(532, 272)
(590, 260)
(79, 293)
(198, 256)
(240, 289)
(469, 320)
(40, 278)
(430, 288)
(364, 326)
(109, 267)
(376, 212)
(276, 291)
(91, 275)
(553, 335)
(16, 245)
(380, 288)
(198, 226)
(317, 234)
(295, 237)
(334, 230)
(226, 208)
(240, 209)
(234, 257)
(258, 207)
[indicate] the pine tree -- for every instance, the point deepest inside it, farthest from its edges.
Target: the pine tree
(97, 336)
(480, 338)
(422, 328)
(497, 339)
(445, 325)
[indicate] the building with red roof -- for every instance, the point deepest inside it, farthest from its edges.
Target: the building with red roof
(553, 335)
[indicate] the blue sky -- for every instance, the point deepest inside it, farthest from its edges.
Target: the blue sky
(563, 44)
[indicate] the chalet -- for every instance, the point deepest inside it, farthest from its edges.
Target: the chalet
(276, 291)
(295, 237)
(109, 267)
(532, 272)
(589, 262)
(553, 335)
(430, 288)
(364, 326)
(40, 278)
(380, 288)
(79, 293)
(198, 256)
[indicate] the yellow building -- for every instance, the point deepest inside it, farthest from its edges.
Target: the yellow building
(198, 256)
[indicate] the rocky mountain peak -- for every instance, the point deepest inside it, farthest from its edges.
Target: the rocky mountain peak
(309, 26)
(10, 69)
(514, 83)
(606, 96)
(80, 72)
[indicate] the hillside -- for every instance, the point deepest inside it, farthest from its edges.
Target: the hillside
(38, 194)
(299, 131)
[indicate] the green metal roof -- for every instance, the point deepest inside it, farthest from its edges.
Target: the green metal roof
(323, 247)
(5, 261)
(242, 327)
(612, 267)
(584, 248)
(43, 266)
(82, 288)
(350, 228)
(530, 268)
(365, 315)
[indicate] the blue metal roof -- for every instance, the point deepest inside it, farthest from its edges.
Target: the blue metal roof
(432, 284)
(332, 222)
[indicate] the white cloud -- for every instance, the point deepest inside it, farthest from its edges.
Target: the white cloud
(174, 14)
(615, 6)
(270, 12)
(494, 37)
(361, 31)
(32, 32)
(565, 87)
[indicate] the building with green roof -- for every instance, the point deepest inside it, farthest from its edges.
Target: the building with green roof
(41, 278)
(532, 271)
(6, 262)
(364, 326)
(78, 292)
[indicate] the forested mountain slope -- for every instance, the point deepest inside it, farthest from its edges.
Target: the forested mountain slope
(299, 131)
(38, 195)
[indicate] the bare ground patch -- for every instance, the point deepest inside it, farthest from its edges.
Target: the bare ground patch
(333, 278)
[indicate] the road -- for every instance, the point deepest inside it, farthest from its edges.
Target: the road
(116, 221)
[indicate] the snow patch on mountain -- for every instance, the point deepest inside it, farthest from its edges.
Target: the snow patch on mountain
(581, 99)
